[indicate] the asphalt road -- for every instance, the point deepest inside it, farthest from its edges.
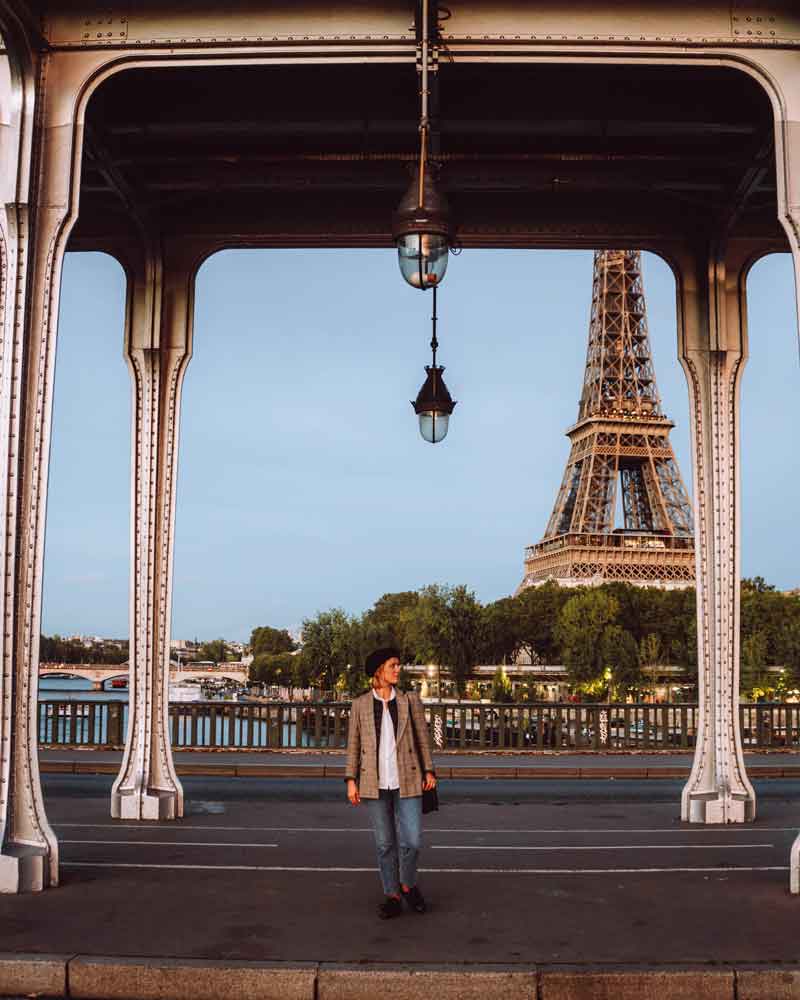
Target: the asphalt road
(516, 871)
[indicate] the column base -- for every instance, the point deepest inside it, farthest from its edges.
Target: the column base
(25, 869)
(718, 807)
(794, 868)
(159, 805)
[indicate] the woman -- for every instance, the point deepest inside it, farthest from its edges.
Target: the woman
(388, 752)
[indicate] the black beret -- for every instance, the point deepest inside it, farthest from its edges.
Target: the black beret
(378, 657)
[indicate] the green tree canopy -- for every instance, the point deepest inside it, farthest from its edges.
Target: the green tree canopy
(265, 639)
(446, 628)
(579, 632)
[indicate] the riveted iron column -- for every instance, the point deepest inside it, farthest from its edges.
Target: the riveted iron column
(158, 348)
(36, 216)
(713, 350)
(784, 69)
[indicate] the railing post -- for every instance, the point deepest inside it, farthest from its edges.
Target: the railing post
(114, 732)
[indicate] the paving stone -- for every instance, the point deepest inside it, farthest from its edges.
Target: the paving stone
(398, 982)
(28, 974)
(637, 984)
(768, 984)
(165, 979)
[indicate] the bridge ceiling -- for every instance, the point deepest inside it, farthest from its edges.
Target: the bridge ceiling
(551, 153)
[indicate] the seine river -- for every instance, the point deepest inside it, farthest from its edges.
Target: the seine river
(85, 725)
(76, 689)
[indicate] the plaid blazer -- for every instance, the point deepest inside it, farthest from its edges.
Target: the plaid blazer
(362, 745)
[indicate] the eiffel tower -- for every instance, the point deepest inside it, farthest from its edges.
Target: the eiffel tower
(619, 443)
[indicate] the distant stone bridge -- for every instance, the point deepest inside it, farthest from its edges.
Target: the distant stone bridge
(99, 673)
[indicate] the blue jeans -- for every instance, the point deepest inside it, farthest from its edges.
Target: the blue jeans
(397, 825)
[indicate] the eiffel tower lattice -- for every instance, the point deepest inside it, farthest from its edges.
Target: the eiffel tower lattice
(619, 443)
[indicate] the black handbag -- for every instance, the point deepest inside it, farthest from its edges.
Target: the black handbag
(430, 800)
(430, 796)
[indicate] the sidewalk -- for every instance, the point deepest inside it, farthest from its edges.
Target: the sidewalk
(450, 765)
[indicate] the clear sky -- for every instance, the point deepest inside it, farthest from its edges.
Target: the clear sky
(304, 483)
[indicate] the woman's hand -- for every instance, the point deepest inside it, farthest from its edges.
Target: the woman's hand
(430, 781)
(352, 792)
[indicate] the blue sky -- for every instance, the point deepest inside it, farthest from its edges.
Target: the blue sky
(303, 481)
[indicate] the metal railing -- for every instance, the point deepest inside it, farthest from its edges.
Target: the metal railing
(454, 726)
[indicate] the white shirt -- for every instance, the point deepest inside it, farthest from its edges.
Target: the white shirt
(388, 776)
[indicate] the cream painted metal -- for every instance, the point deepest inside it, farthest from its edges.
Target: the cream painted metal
(713, 350)
(41, 152)
(158, 349)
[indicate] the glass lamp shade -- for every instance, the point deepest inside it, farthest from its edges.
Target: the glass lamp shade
(421, 231)
(433, 426)
(433, 406)
(422, 258)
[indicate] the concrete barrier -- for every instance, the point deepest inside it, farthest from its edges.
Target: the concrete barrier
(397, 982)
(637, 984)
(36, 975)
(184, 979)
(86, 977)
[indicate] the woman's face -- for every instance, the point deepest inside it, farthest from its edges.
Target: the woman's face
(389, 673)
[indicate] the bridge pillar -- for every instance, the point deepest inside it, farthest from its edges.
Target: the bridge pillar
(713, 350)
(158, 348)
(784, 68)
(36, 213)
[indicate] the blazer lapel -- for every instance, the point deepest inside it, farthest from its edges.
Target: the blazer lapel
(368, 720)
(402, 713)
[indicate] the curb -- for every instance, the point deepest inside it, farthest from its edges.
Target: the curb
(520, 772)
(86, 977)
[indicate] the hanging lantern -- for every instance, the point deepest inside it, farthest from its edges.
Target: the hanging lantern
(434, 404)
(421, 231)
(421, 226)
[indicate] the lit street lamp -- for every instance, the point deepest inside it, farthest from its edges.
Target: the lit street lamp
(434, 404)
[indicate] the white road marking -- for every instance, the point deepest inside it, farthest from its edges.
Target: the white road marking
(430, 871)
(597, 847)
(165, 843)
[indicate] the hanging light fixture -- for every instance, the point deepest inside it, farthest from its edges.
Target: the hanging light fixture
(421, 225)
(434, 404)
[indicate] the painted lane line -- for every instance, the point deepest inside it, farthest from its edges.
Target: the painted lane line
(730, 828)
(163, 843)
(598, 847)
(429, 871)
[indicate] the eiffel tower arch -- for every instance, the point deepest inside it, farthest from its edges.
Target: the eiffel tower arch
(621, 457)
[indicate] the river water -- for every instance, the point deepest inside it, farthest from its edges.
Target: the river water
(222, 724)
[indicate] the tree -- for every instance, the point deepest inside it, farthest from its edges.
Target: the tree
(272, 668)
(579, 631)
(446, 628)
(333, 645)
(387, 622)
(620, 656)
(537, 611)
(501, 686)
(213, 650)
(753, 662)
(650, 654)
(501, 631)
(265, 639)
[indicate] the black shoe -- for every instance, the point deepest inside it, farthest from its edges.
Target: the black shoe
(415, 899)
(391, 907)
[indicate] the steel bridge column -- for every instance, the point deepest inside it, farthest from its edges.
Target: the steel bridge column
(713, 349)
(784, 68)
(35, 218)
(158, 348)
